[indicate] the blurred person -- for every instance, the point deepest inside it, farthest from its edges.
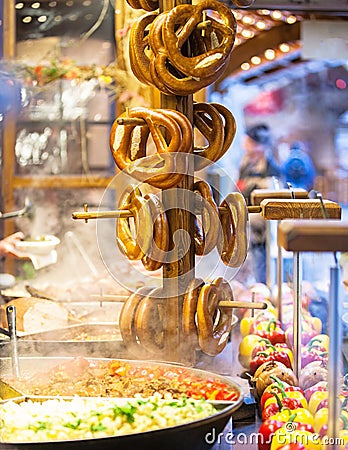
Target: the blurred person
(298, 168)
(257, 170)
(8, 245)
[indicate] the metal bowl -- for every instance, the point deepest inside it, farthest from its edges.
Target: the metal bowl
(197, 435)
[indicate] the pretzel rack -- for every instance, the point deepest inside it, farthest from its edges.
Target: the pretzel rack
(177, 274)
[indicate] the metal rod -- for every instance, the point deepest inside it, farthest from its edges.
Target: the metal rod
(335, 344)
(297, 316)
(268, 254)
(11, 320)
(279, 279)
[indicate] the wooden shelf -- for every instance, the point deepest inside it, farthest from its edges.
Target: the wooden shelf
(313, 235)
(281, 209)
(261, 194)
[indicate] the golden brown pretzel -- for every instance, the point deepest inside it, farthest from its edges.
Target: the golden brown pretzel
(140, 54)
(149, 5)
(230, 126)
(189, 310)
(126, 321)
(188, 17)
(128, 142)
(174, 169)
(164, 75)
(134, 247)
(149, 324)
(134, 4)
(154, 258)
(212, 337)
(207, 119)
(207, 239)
(157, 170)
(234, 225)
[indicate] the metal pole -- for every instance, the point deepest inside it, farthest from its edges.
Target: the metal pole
(334, 403)
(297, 316)
(268, 254)
(279, 279)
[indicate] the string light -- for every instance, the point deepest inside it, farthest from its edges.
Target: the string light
(19, 5)
(245, 66)
(277, 15)
(36, 5)
(285, 48)
(247, 33)
(256, 60)
(260, 25)
(42, 19)
(291, 19)
(248, 20)
(27, 19)
(270, 54)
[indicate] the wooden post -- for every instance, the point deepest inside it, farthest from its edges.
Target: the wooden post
(183, 268)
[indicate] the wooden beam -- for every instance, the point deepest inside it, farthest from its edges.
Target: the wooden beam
(61, 182)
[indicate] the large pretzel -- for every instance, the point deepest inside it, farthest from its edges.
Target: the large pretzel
(189, 310)
(212, 336)
(207, 119)
(149, 324)
(155, 169)
(134, 247)
(234, 225)
(154, 258)
(128, 142)
(126, 321)
(139, 48)
(166, 77)
(148, 5)
(165, 171)
(207, 239)
(230, 126)
(188, 17)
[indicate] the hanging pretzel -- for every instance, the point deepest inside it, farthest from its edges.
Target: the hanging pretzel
(207, 119)
(165, 76)
(134, 247)
(126, 321)
(165, 168)
(154, 258)
(230, 127)
(189, 310)
(139, 51)
(206, 239)
(178, 159)
(188, 17)
(149, 323)
(214, 323)
(234, 225)
(156, 168)
(147, 5)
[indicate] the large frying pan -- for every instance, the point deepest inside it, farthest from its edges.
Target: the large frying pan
(197, 435)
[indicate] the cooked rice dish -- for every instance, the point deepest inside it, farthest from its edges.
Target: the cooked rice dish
(90, 418)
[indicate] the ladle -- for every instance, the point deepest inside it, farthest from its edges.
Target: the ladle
(11, 320)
